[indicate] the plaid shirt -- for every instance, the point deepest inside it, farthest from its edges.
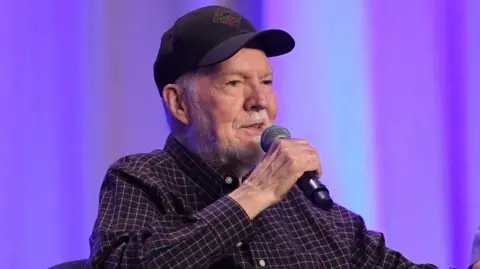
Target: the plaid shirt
(169, 209)
(476, 247)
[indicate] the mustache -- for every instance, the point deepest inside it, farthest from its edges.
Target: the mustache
(255, 117)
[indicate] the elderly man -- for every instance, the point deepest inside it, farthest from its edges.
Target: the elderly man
(212, 198)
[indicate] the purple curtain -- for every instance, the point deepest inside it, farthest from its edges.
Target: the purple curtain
(388, 92)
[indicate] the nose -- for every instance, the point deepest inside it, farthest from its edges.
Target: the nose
(257, 99)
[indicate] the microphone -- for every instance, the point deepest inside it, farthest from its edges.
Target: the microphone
(309, 182)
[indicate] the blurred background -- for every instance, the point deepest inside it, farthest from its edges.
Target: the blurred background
(388, 92)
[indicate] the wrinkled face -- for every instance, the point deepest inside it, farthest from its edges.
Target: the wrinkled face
(233, 105)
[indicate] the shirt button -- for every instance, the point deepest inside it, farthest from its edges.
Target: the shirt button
(261, 262)
(239, 244)
(228, 180)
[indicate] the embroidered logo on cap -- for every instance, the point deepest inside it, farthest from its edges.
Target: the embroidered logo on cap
(227, 17)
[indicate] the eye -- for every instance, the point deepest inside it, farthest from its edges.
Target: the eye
(267, 82)
(234, 83)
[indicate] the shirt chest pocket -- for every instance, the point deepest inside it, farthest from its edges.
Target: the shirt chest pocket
(279, 253)
(273, 247)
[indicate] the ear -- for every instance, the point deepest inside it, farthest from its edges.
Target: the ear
(173, 96)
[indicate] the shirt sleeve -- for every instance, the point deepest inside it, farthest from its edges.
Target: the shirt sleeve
(133, 231)
(476, 248)
(369, 251)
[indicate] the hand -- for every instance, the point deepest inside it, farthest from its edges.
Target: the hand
(476, 265)
(275, 175)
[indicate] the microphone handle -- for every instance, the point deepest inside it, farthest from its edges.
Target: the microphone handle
(316, 192)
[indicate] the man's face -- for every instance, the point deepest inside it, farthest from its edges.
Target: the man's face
(233, 105)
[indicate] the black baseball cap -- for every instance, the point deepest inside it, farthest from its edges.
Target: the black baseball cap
(210, 35)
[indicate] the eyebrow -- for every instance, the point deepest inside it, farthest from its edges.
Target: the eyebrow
(243, 74)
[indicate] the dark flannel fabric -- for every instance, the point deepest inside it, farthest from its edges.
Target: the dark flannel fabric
(169, 209)
(476, 247)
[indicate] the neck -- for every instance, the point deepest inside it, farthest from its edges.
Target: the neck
(239, 171)
(220, 161)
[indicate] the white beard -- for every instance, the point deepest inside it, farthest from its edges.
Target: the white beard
(234, 158)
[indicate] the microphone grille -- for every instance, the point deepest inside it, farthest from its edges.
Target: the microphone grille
(271, 134)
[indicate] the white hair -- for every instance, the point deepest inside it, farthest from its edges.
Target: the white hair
(188, 82)
(196, 132)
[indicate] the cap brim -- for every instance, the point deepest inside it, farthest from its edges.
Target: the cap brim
(273, 42)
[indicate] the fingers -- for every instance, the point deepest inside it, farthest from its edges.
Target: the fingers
(297, 156)
(312, 162)
(285, 144)
(284, 163)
